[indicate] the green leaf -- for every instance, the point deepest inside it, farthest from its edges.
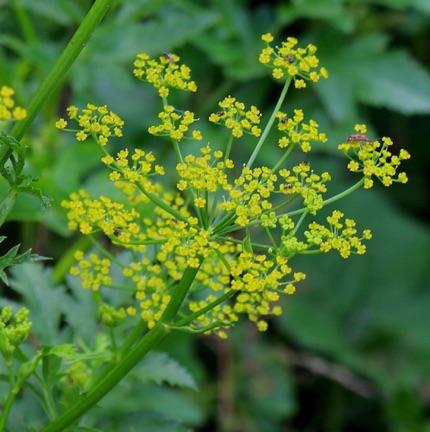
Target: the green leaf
(62, 351)
(169, 29)
(385, 81)
(365, 70)
(50, 305)
(51, 365)
(12, 167)
(44, 300)
(158, 367)
(152, 408)
(79, 310)
(11, 259)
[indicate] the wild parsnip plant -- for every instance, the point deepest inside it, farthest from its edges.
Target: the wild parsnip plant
(219, 245)
(204, 228)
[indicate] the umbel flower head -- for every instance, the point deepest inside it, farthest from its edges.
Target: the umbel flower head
(299, 63)
(14, 330)
(95, 121)
(234, 117)
(373, 159)
(233, 224)
(8, 109)
(164, 73)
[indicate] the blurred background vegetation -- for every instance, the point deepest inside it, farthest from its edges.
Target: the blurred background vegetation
(352, 350)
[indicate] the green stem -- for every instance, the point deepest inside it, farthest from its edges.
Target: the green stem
(260, 142)
(133, 336)
(60, 69)
(285, 155)
(345, 192)
(270, 122)
(189, 318)
(49, 402)
(114, 375)
(302, 218)
(218, 191)
(7, 407)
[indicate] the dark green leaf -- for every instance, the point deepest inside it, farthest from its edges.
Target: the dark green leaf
(158, 367)
(45, 300)
(385, 81)
(11, 259)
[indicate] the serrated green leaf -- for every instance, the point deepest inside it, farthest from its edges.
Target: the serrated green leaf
(12, 259)
(50, 304)
(45, 301)
(145, 420)
(170, 405)
(80, 311)
(61, 351)
(158, 367)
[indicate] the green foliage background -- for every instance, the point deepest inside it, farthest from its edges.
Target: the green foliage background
(352, 350)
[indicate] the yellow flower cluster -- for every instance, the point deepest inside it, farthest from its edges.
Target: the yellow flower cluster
(152, 306)
(14, 329)
(373, 158)
(202, 175)
(175, 124)
(303, 181)
(179, 244)
(342, 236)
(249, 199)
(299, 63)
(8, 109)
(257, 284)
(111, 217)
(94, 121)
(136, 172)
(164, 74)
(93, 271)
(167, 234)
(234, 117)
(298, 132)
(246, 198)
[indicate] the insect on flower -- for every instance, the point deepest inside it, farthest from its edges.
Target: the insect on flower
(358, 138)
(169, 57)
